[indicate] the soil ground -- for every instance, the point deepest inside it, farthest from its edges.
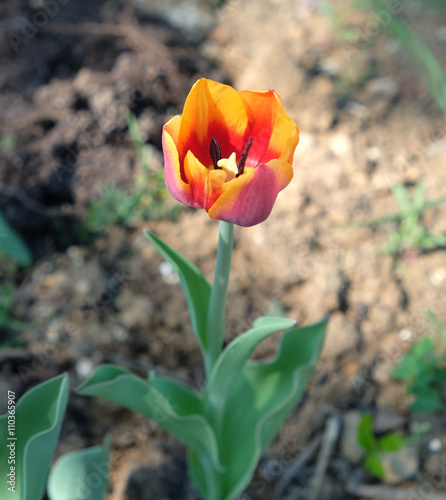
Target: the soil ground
(367, 123)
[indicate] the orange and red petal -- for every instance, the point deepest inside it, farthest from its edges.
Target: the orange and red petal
(284, 138)
(217, 186)
(261, 108)
(175, 181)
(197, 176)
(275, 133)
(248, 199)
(211, 110)
(283, 172)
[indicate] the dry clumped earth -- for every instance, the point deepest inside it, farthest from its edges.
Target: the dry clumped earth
(65, 96)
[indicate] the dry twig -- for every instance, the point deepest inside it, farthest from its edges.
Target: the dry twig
(329, 439)
(292, 470)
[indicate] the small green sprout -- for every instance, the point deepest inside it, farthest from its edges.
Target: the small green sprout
(425, 374)
(374, 447)
(410, 234)
(148, 199)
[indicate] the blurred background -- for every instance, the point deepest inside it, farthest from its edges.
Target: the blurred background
(85, 88)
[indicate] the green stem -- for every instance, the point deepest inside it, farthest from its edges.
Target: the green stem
(217, 304)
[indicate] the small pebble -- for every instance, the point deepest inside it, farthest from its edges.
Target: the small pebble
(84, 368)
(119, 333)
(168, 274)
(383, 86)
(373, 154)
(405, 335)
(358, 110)
(76, 256)
(82, 287)
(435, 445)
(340, 144)
(438, 277)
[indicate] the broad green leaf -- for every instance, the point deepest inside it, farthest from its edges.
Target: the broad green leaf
(258, 401)
(391, 442)
(423, 347)
(374, 465)
(426, 402)
(196, 289)
(174, 406)
(232, 360)
(180, 396)
(12, 244)
(440, 376)
(365, 433)
(80, 474)
(38, 419)
(407, 368)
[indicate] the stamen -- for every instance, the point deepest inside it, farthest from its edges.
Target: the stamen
(242, 161)
(215, 152)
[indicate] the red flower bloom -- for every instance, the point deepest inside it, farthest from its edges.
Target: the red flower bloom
(230, 152)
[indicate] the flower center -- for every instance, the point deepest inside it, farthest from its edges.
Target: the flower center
(229, 165)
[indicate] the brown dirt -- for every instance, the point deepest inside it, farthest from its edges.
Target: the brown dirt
(65, 96)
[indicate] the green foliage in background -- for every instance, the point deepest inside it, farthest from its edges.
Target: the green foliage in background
(7, 292)
(426, 63)
(80, 474)
(12, 244)
(439, 330)
(148, 199)
(8, 142)
(14, 252)
(422, 58)
(410, 234)
(424, 372)
(29, 434)
(374, 447)
(231, 421)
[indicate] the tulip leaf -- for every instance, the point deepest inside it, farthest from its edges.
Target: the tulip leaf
(173, 405)
(196, 289)
(80, 474)
(258, 402)
(233, 358)
(13, 245)
(38, 419)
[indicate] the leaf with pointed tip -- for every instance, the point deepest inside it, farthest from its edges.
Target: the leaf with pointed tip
(196, 289)
(374, 465)
(258, 402)
(80, 474)
(13, 245)
(38, 419)
(173, 405)
(392, 442)
(366, 437)
(233, 359)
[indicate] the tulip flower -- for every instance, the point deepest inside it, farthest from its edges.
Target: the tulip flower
(230, 152)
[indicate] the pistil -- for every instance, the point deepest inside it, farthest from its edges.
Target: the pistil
(229, 165)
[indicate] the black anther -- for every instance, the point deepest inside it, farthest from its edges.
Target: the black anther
(215, 152)
(242, 161)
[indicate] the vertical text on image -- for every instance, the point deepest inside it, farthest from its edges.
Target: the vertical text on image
(11, 442)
